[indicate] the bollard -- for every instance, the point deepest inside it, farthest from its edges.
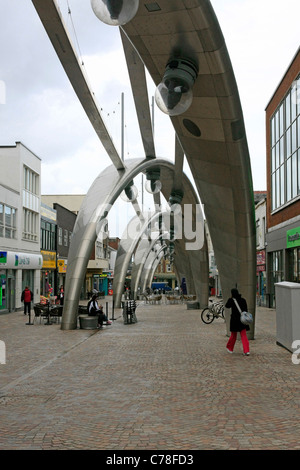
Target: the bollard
(113, 311)
(29, 323)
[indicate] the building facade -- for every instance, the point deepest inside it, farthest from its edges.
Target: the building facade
(98, 274)
(48, 250)
(283, 180)
(65, 223)
(20, 194)
(260, 199)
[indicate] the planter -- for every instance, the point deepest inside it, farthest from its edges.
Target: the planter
(88, 323)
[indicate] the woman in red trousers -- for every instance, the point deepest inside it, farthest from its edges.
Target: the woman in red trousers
(235, 323)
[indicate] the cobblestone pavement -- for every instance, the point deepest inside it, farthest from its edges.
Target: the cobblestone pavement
(164, 383)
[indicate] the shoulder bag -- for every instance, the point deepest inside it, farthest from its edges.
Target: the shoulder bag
(246, 317)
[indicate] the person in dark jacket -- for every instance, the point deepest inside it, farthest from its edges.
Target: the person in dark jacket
(61, 295)
(235, 323)
(95, 309)
(27, 297)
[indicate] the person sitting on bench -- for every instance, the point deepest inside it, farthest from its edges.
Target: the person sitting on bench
(95, 309)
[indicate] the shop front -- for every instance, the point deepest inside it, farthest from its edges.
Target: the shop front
(283, 258)
(61, 271)
(293, 254)
(261, 277)
(48, 274)
(100, 283)
(18, 270)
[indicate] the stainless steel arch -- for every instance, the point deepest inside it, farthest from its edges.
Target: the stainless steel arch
(211, 132)
(103, 193)
(128, 246)
(153, 260)
(193, 264)
(141, 254)
(218, 152)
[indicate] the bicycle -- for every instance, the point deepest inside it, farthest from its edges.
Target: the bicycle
(214, 310)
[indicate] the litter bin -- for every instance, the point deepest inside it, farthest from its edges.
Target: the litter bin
(287, 313)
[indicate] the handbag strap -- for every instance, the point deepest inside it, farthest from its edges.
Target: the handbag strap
(238, 307)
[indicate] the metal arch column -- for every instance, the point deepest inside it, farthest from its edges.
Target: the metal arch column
(211, 132)
(146, 273)
(142, 252)
(127, 247)
(158, 255)
(96, 205)
(101, 196)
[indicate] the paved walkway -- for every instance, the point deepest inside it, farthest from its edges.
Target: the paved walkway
(164, 383)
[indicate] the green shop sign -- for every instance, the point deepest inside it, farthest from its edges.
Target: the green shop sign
(293, 237)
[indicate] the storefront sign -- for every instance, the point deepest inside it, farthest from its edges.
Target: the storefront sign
(49, 259)
(293, 237)
(62, 265)
(261, 257)
(12, 260)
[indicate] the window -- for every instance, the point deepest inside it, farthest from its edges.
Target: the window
(99, 250)
(66, 238)
(8, 221)
(48, 236)
(285, 147)
(30, 225)
(60, 236)
(30, 180)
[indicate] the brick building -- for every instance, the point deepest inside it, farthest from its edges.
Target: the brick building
(283, 180)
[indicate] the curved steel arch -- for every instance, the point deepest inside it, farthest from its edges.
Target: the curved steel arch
(138, 264)
(217, 153)
(101, 196)
(153, 259)
(193, 265)
(211, 132)
(128, 246)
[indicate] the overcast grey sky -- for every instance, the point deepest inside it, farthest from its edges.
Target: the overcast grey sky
(41, 109)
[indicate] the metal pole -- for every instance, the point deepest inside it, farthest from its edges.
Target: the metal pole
(113, 310)
(153, 115)
(122, 127)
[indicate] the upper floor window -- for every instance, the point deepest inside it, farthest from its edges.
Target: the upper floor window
(285, 148)
(48, 236)
(8, 221)
(30, 225)
(31, 180)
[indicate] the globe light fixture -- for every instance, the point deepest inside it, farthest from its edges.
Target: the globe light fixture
(174, 94)
(153, 184)
(130, 192)
(115, 12)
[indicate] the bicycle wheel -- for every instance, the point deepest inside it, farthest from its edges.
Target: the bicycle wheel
(207, 316)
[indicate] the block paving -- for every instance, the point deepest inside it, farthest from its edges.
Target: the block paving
(163, 383)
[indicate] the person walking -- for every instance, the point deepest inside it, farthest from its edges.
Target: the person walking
(27, 297)
(235, 323)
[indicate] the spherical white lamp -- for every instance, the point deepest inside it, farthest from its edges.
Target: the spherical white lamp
(174, 94)
(130, 192)
(115, 12)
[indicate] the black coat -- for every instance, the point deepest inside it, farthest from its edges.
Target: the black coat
(235, 322)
